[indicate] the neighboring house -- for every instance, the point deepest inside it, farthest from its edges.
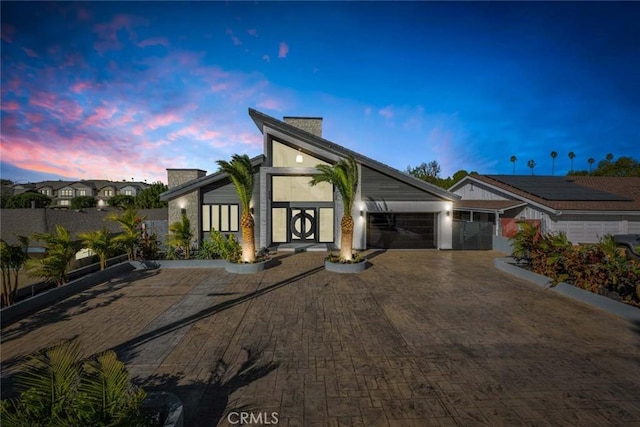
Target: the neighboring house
(61, 192)
(584, 207)
(392, 209)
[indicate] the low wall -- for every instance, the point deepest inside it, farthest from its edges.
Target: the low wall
(609, 305)
(15, 312)
(502, 244)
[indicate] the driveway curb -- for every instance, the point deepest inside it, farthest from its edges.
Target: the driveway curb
(609, 305)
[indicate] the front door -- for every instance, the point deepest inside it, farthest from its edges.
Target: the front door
(303, 225)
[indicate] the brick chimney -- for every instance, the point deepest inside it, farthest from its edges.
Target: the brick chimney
(310, 124)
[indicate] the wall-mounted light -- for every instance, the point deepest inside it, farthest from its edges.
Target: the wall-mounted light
(361, 212)
(448, 213)
(299, 158)
(183, 211)
(251, 210)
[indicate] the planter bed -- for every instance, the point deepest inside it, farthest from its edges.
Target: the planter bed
(246, 268)
(345, 268)
(609, 305)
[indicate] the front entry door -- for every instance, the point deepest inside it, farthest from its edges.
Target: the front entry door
(303, 225)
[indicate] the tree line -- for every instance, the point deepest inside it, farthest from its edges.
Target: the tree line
(622, 166)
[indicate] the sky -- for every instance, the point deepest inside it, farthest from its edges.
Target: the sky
(125, 90)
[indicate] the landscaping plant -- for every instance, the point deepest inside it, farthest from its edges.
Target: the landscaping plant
(598, 267)
(12, 259)
(60, 250)
(100, 243)
(219, 246)
(57, 388)
(344, 176)
(180, 236)
(130, 223)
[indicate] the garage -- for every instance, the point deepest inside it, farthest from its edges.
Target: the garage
(390, 230)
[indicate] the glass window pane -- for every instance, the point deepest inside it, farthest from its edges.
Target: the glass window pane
(279, 225)
(326, 224)
(234, 221)
(297, 189)
(285, 156)
(224, 217)
(215, 217)
(206, 217)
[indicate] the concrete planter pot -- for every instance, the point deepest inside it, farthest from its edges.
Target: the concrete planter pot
(168, 405)
(245, 268)
(345, 268)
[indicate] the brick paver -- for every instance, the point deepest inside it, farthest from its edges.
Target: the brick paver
(421, 338)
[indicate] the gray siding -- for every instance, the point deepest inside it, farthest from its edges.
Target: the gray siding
(378, 186)
(223, 192)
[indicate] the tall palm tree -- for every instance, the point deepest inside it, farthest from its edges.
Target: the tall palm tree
(180, 235)
(129, 221)
(572, 155)
(343, 175)
(513, 160)
(60, 250)
(531, 164)
(100, 243)
(554, 154)
(591, 161)
(609, 156)
(12, 259)
(240, 171)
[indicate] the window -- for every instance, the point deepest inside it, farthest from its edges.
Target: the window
(128, 192)
(45, 191)
(66, 193)
(108, 193)
(82, 192)
(64, 203)
(224, 218)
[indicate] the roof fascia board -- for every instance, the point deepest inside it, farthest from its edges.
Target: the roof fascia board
(585, 212)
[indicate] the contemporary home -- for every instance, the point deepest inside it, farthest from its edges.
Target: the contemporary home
(584, 207)
(392, 209)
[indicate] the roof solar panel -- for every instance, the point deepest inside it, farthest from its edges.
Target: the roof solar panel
(556, 188)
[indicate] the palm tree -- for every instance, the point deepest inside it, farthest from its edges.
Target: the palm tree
(513, 160)
(100, 243)
(591, 161)
(129, 222)
(180, 235)
(240, 171)
(554, 154)
(572, 155)
(609, 157)
(12, 259)
(531, 164)
(60, 249)
(343, 175)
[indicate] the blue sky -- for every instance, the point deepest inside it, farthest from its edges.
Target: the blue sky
(124, 90)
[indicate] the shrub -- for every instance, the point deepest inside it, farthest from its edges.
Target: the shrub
(219, 246)
(82, 202)
(56, 387)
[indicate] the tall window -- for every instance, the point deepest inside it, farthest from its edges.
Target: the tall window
(66, 193)
(108, 193)
(128, 192)
(82, 192)
(64, 203)
(45, 191)
(224, 218)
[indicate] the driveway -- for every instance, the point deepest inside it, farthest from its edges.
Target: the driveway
(420, 338)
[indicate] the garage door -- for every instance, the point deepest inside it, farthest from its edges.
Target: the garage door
(401, 230)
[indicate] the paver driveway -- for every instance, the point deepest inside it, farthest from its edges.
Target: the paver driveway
(420, 338)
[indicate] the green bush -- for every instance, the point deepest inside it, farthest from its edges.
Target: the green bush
(57, 388)
(218, 246)
(83, 202)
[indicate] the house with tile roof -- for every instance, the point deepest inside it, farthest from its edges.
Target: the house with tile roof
(392, 209)
(584, 207)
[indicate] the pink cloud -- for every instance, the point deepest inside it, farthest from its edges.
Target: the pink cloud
(271, 104)
(10, 106)
(219, 87)
(283, 50)
(266, 57)
(236, 41)
(80, 87)
(386, 112)
(138, 130)
(7, 31)
(43, 99)
(101, 114)
(154, 41)
(107, 32)
(30, 52)
(252, 32)
(163, 120)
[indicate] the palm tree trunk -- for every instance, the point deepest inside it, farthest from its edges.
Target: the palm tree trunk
(346, 240)
(248, 242)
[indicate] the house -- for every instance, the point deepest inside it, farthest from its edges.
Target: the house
(584, 207)
(61, 192)
(392, 209)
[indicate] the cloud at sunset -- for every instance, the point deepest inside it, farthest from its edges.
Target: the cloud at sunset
(122, 89)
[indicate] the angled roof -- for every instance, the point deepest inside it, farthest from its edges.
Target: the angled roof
(567, 193)
(261, 119)
(493, 205)
(194, 184)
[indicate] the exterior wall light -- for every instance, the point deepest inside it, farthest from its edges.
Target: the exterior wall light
(299, 158)
(361, 213)
(183, 211)
(448, 213)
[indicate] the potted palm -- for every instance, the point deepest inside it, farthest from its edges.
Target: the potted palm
(240, 171)
(344, 176)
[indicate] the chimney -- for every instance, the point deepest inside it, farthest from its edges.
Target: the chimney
(310, 124)
(176, 177)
